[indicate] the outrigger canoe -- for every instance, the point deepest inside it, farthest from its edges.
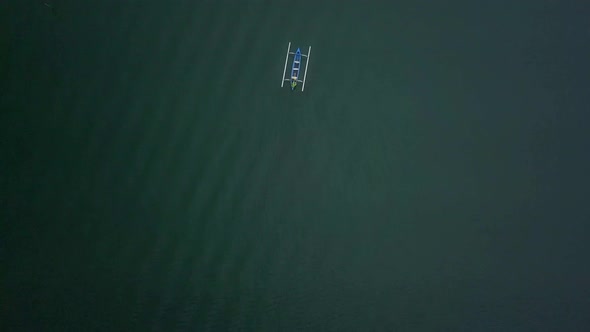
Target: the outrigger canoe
(295, 68)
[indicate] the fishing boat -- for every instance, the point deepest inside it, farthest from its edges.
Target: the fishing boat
(295, 68)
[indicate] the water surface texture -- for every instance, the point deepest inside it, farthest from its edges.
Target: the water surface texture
(433, 176)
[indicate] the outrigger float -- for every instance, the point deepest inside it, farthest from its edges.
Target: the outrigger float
(295, 68)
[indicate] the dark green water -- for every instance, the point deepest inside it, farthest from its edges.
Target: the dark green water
(432, 176)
